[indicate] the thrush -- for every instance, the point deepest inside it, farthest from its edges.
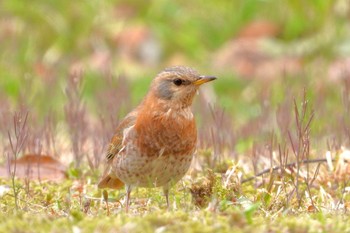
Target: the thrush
(153, 146)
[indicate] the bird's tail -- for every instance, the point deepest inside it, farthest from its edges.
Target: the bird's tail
(110, 182)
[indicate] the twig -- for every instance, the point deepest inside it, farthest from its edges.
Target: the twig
(268, 170)
(17, 145)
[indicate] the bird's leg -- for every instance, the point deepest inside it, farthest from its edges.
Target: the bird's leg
(166, 194)
(128, 191)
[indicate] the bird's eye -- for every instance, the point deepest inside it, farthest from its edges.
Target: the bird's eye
(178, 82)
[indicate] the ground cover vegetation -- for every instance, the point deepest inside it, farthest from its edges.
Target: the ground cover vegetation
(273, 130)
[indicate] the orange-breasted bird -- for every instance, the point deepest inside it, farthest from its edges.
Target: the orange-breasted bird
(153, 146)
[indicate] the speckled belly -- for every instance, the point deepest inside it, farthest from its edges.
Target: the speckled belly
(144, 171)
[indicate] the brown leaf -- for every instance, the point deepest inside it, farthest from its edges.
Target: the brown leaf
(311, 209)
(32, 166)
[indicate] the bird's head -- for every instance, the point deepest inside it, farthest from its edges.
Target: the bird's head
(178, 85)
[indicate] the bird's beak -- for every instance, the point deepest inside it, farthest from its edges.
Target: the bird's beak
(203, 79)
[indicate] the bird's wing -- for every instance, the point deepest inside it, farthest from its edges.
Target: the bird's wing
(116, 142)
(109, 180)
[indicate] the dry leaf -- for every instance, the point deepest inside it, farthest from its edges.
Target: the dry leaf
(311, 209)
(31, 166)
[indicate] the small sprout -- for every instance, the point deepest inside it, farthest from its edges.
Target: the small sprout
(49, 198)
(105, 198)
(250, 210)
(105, 195)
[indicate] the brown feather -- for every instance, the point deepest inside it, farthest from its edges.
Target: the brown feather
(113, 149)
(162, 132)
(110, 182)
(116, 142)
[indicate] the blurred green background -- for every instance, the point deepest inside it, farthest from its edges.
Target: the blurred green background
(265, 52)
(47, 39)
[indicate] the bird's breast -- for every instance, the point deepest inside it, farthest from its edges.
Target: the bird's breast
(169, 132)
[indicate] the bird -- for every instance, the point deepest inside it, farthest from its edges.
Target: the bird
(153, 146)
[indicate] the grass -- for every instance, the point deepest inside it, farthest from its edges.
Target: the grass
(52, 208)
(69, 67)
(178, 222)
